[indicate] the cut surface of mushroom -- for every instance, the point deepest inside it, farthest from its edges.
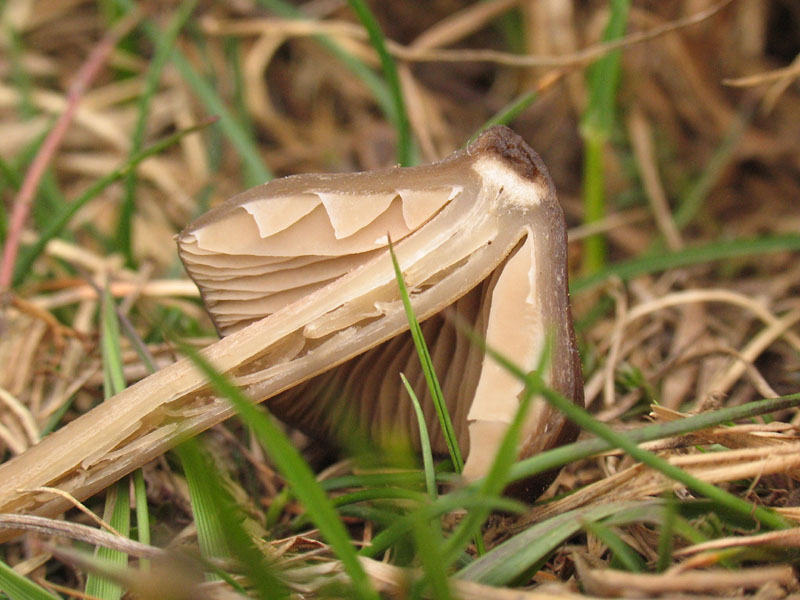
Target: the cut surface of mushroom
(480, 234)
(297, 277)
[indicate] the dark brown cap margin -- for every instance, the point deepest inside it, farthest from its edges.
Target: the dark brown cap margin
(509, 147)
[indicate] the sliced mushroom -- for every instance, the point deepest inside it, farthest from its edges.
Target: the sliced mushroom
(297, 276)
(480, 233)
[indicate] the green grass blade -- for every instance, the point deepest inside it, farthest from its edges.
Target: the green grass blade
(164, 47)
(368, 495)
(596, 126)
(234, 57)
(219, 522)
(623, 554)
(594, 203)
(57, 224)
(367, 480)
(142, 514)
(8, 178)
(665, 536)
(443, 505)
(428, 543)
(277, 505)
(427, 368)
(579, 450)
(425, 441)
(48, 199)
(211, 534)
(603, 76)
(376, 37)
(139, 345)
(510, 560)
(114, 377)
(683, 528)
(117, 513)
(296, 471)
(689, 256)
(18, 587)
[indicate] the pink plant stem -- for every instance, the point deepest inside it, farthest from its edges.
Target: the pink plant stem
(24, 199)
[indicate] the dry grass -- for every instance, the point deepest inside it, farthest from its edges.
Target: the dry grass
(706, 147)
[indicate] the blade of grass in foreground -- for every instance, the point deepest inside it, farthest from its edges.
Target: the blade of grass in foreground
(117, 512)
(428, 543)
(622, 553)
(517, 556)
(19, 587)
(427, 368)
(113, 375)
(209, 500)
(428, 536)
(444, 504)
(296, 471)
(21, 79)
(665, 536)
(366, 495)
(523, 553)
(48, 196)
(220, 522)
(142, 514)
(424, 439)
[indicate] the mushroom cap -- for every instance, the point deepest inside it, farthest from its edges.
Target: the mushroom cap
(479, 234)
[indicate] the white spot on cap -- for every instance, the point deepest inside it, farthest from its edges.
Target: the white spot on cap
(512, 189)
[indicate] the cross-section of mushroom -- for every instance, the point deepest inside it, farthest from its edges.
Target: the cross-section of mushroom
(480, 233)
(298, 278)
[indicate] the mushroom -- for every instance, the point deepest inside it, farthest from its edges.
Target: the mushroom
(480, 233)
(297, 276)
